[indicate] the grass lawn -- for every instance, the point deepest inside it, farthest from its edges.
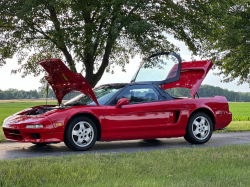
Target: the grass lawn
(237, 126)
(220, 166)
(2, 137)
(241, 111)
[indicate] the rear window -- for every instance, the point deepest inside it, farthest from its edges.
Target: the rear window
(178, 92)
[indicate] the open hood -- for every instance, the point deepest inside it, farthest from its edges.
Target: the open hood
(192, 75)
(63, 81)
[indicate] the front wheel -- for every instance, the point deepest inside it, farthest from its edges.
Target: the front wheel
(80, 134)
(199, 128)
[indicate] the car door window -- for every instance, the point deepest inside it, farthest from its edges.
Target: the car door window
(139, 94)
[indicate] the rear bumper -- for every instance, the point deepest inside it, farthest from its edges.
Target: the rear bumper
(227, 119)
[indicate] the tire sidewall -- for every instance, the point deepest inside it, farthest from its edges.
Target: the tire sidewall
(189, 134)
(68, 134)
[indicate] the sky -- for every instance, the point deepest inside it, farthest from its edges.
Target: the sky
(8, 80)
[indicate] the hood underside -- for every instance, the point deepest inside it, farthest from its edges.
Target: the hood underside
(192, 75)
(63, 81)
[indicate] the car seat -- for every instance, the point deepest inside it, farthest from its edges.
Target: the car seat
(151, 97)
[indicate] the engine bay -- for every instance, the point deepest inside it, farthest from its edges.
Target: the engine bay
(41, 110)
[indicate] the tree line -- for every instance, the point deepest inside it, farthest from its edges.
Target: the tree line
(32, 94)
(204, 91)
(209, 91)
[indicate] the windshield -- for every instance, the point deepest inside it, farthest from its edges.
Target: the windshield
(103, 95)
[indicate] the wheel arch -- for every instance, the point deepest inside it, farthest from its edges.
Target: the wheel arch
(90, 116)
(207, 111)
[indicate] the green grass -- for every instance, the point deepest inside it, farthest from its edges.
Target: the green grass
(2, 137)
(220, 166)
(241, 111)
(237, 126)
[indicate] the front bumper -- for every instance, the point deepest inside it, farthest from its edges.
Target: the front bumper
(34, 136)
(15, 130)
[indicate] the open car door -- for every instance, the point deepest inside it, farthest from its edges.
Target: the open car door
(167, 70)
(161, 68)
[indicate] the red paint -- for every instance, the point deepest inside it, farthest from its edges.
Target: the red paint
(192, 75)
(136, 119)
(63, 81)
(121, 102)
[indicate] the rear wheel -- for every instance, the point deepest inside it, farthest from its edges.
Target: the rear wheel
(199, 128)
(80, 134)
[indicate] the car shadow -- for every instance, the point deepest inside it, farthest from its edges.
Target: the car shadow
(114, 147)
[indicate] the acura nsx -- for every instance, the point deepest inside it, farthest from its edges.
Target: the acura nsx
(142, 109)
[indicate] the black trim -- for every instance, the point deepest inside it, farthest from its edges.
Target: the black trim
(163, 93)
(197, 95)
(36, 136)
(177, 115)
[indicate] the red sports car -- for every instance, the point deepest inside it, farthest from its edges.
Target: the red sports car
(142, 109)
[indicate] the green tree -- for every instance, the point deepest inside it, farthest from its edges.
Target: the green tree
(2, 95)
(23, 94)
(9, 95)
(98, 34)
(34, 94)
(228, 44)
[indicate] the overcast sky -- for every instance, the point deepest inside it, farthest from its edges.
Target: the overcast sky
(8, 80)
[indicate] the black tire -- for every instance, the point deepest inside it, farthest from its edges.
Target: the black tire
(199, 128)
(150, 140)
(80, 134)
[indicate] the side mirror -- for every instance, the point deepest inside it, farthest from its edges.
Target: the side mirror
(122, 101)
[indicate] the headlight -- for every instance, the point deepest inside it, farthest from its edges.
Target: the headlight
(34, 126)
(5, 124)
